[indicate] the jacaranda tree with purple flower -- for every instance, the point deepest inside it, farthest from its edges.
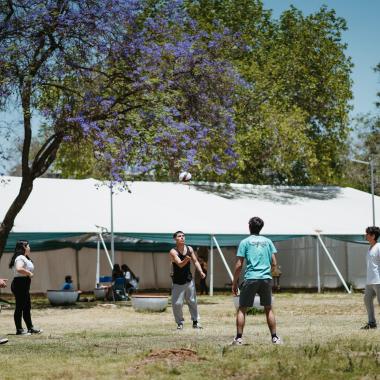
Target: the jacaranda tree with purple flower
(141, 86)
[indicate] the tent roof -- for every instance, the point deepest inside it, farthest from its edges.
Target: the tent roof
(78, 206)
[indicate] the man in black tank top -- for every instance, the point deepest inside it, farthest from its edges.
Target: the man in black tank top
(183, 287)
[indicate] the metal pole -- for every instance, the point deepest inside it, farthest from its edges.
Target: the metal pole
(318, 267)
(223, 259)
(333, 264)
(112, 236)
(97, 262)
(211, 267)
(373, 192)
(105, 250)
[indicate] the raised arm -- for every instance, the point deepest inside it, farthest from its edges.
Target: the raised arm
(176, 260)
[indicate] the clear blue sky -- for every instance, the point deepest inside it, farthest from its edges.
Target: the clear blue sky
(362, 38)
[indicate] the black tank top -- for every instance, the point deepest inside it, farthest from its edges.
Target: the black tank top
(181, 275)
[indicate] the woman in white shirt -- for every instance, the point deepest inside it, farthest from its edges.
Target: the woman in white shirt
(23, 268)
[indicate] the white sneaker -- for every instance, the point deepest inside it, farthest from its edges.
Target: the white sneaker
(276, 340)
(3, 340)
(237, 342)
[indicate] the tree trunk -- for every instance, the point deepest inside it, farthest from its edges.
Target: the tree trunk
(8, 222)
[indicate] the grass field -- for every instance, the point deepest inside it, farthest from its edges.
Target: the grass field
(321, 334)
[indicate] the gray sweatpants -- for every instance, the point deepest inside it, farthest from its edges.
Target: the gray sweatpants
(371, 291)
(179, 294)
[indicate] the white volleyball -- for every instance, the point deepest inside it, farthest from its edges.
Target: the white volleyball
(184, 177)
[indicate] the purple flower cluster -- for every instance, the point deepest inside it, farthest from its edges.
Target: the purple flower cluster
(144, 85)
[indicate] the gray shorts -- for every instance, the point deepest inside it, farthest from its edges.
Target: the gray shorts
(249, 288)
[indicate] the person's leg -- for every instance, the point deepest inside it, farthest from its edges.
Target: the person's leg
(368, 301)
(240, 321)
(27, 306)
(178, 293)
(271, 320)
(191, 300)
(17, 290)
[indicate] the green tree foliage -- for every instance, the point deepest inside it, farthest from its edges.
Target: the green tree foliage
(292, 121)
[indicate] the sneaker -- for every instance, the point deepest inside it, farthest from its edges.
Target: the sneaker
(276, 340)
(22, 332)
(237, 342)
(3, 340)
(35, 330)
(369, 326)
(197, 326)
(180, 326)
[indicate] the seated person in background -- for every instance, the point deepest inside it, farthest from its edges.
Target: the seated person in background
(131, 280)
(68, 285)
(116, 272)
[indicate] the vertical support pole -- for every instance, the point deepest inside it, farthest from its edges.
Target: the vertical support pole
(97, 262)
(372, 192)
(77, 267)
(211, 292)
(318, 267)
(112, 235)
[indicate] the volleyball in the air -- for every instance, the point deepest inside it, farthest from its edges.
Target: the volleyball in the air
(184, 177)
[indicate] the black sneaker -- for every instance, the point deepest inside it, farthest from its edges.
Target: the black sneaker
(22, 332)
(3, 340)
(180, 326)
(196, 325)
(35, 330)
(369, 326)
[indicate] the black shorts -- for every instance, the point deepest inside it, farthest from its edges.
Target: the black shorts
(249, 288)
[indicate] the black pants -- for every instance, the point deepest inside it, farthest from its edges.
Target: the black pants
(20, 288)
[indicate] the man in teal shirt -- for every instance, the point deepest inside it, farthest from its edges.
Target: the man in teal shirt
(259, 253)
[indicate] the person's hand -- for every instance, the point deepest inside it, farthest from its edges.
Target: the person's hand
(31, 274)
(235, 289)
(3, 282)
(203, 275)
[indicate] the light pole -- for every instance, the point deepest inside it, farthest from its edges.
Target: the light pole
(112, 234)
(370, 164)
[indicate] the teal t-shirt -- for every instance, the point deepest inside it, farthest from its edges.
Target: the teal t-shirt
(257, 251)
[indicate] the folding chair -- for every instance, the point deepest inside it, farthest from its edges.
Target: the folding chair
(119, 292)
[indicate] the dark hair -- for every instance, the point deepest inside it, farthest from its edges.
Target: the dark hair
(176, 233)
(68, 279)
(255, 225)
(373, 231)
(116, 272)
(19, 250)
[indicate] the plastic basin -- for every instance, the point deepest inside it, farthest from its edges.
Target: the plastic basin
(149, 302)
(62, 297)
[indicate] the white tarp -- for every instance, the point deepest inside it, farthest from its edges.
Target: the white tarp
(59, 205)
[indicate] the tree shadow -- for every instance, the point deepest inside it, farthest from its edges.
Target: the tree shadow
(276, 194)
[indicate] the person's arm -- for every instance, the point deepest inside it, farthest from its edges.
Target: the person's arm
(193, 257)
(237, 272)
(3, 282)
(176, 260)
(274, 261)
(20, 269)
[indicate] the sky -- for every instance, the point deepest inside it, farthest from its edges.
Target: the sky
(362, 38)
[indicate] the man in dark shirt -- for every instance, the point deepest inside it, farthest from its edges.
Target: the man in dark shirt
(183, 287)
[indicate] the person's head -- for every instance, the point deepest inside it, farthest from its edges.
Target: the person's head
(125, 268)
(255, 225)
(116, 267)
(21, 248)
(372, 233)
(68, 279)
(179, 237)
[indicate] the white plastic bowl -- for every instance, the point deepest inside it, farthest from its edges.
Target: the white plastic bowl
(149, 303)
(62, 297)
(100, 293)
(256, 302)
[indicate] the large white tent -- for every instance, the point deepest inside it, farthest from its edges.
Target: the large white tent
(60, 211)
